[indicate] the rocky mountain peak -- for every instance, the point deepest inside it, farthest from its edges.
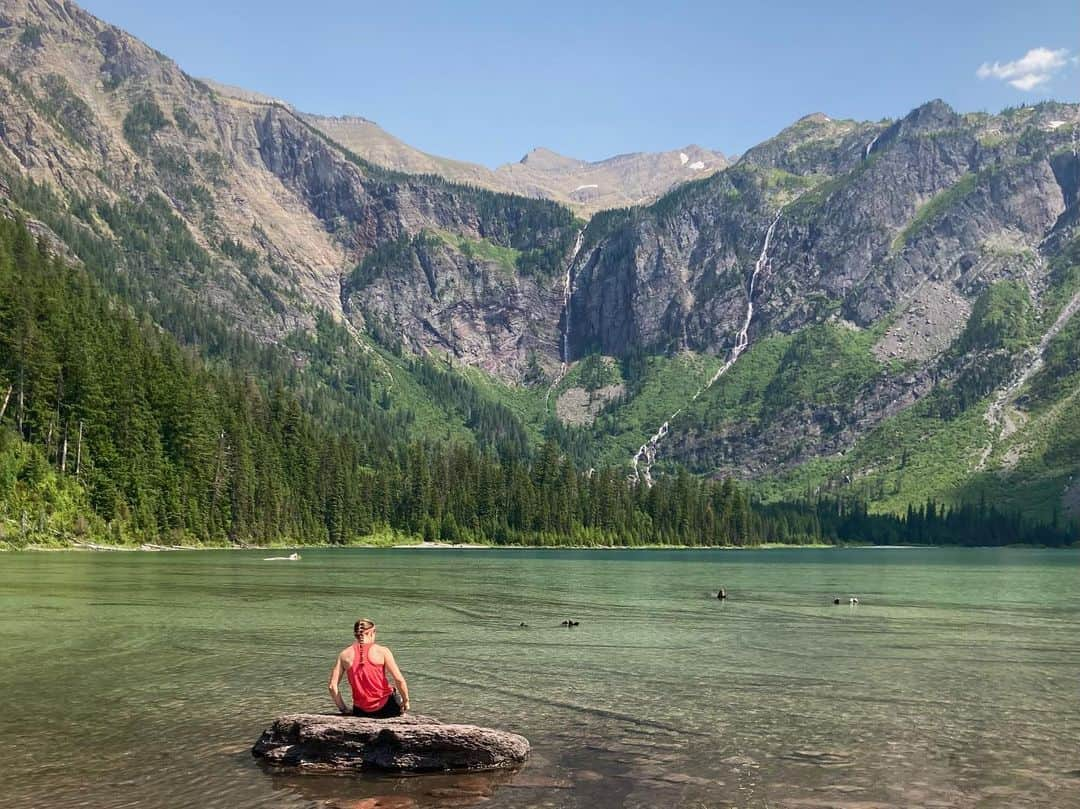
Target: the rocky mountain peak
(232, 91)
(545, 159)
(930, 117)
(808, 146)
(815, 118)
(690, 158)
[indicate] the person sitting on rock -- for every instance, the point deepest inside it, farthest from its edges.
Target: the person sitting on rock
(366, 663)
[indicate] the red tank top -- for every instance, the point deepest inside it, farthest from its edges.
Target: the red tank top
(370, 688)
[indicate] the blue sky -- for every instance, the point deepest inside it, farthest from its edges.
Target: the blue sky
(486, 81)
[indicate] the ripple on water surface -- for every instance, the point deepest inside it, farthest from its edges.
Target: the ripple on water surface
(142, 679)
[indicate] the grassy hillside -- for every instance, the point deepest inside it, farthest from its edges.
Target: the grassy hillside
(655, 388)
(934, 451)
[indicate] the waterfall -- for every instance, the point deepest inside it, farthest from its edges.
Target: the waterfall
(870, 145)
(645, 457)
(568, 293)
(1001, 426)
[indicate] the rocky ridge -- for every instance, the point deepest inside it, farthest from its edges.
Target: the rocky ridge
(638, 178)
(895, 242)
(875, 221)
(279, 216)
(587, 187)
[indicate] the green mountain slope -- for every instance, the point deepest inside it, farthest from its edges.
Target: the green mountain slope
(879, 310)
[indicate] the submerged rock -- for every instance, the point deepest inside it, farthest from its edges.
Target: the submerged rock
(406, 743)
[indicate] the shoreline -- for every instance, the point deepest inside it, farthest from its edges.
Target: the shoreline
(149, 547)
(406, 546)
(466, 546)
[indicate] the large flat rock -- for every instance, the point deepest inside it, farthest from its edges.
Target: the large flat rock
(407, 743)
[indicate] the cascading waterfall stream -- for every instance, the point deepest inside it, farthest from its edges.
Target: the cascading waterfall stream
(645, 457)
(371, 352)
(870, 145)
(996, 416)
(568, 294)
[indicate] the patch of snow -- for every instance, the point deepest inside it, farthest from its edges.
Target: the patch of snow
(1052, 125)
(583, 187)
(697, 165)
(684, 158)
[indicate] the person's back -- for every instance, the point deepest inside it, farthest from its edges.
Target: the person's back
(365, 664)
(367, 677)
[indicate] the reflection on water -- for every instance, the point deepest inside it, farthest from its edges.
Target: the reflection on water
(143, 679)
(388, 791)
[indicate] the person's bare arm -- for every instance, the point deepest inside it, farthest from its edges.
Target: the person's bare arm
(335, 677)
(399, 678)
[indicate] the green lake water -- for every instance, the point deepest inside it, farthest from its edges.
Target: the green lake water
(142, 679)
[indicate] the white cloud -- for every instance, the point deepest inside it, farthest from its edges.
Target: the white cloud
(1035, 67)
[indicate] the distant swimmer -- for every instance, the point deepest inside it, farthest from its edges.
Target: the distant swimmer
(292, 557)
(853, 601)
(570, 623)
(522, 625)
(722, 594)
(836, 601)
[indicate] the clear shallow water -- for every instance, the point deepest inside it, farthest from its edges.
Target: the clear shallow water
(143, 679)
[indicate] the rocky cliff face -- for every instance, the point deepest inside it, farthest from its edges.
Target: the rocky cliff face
(278, 214)
(458, 296)
(857, 228)
(878, 225)
(889, 241)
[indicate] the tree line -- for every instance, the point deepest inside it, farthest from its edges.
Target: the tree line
(113, 431)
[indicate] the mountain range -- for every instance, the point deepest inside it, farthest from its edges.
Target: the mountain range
(586, 187)
(884, 308)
